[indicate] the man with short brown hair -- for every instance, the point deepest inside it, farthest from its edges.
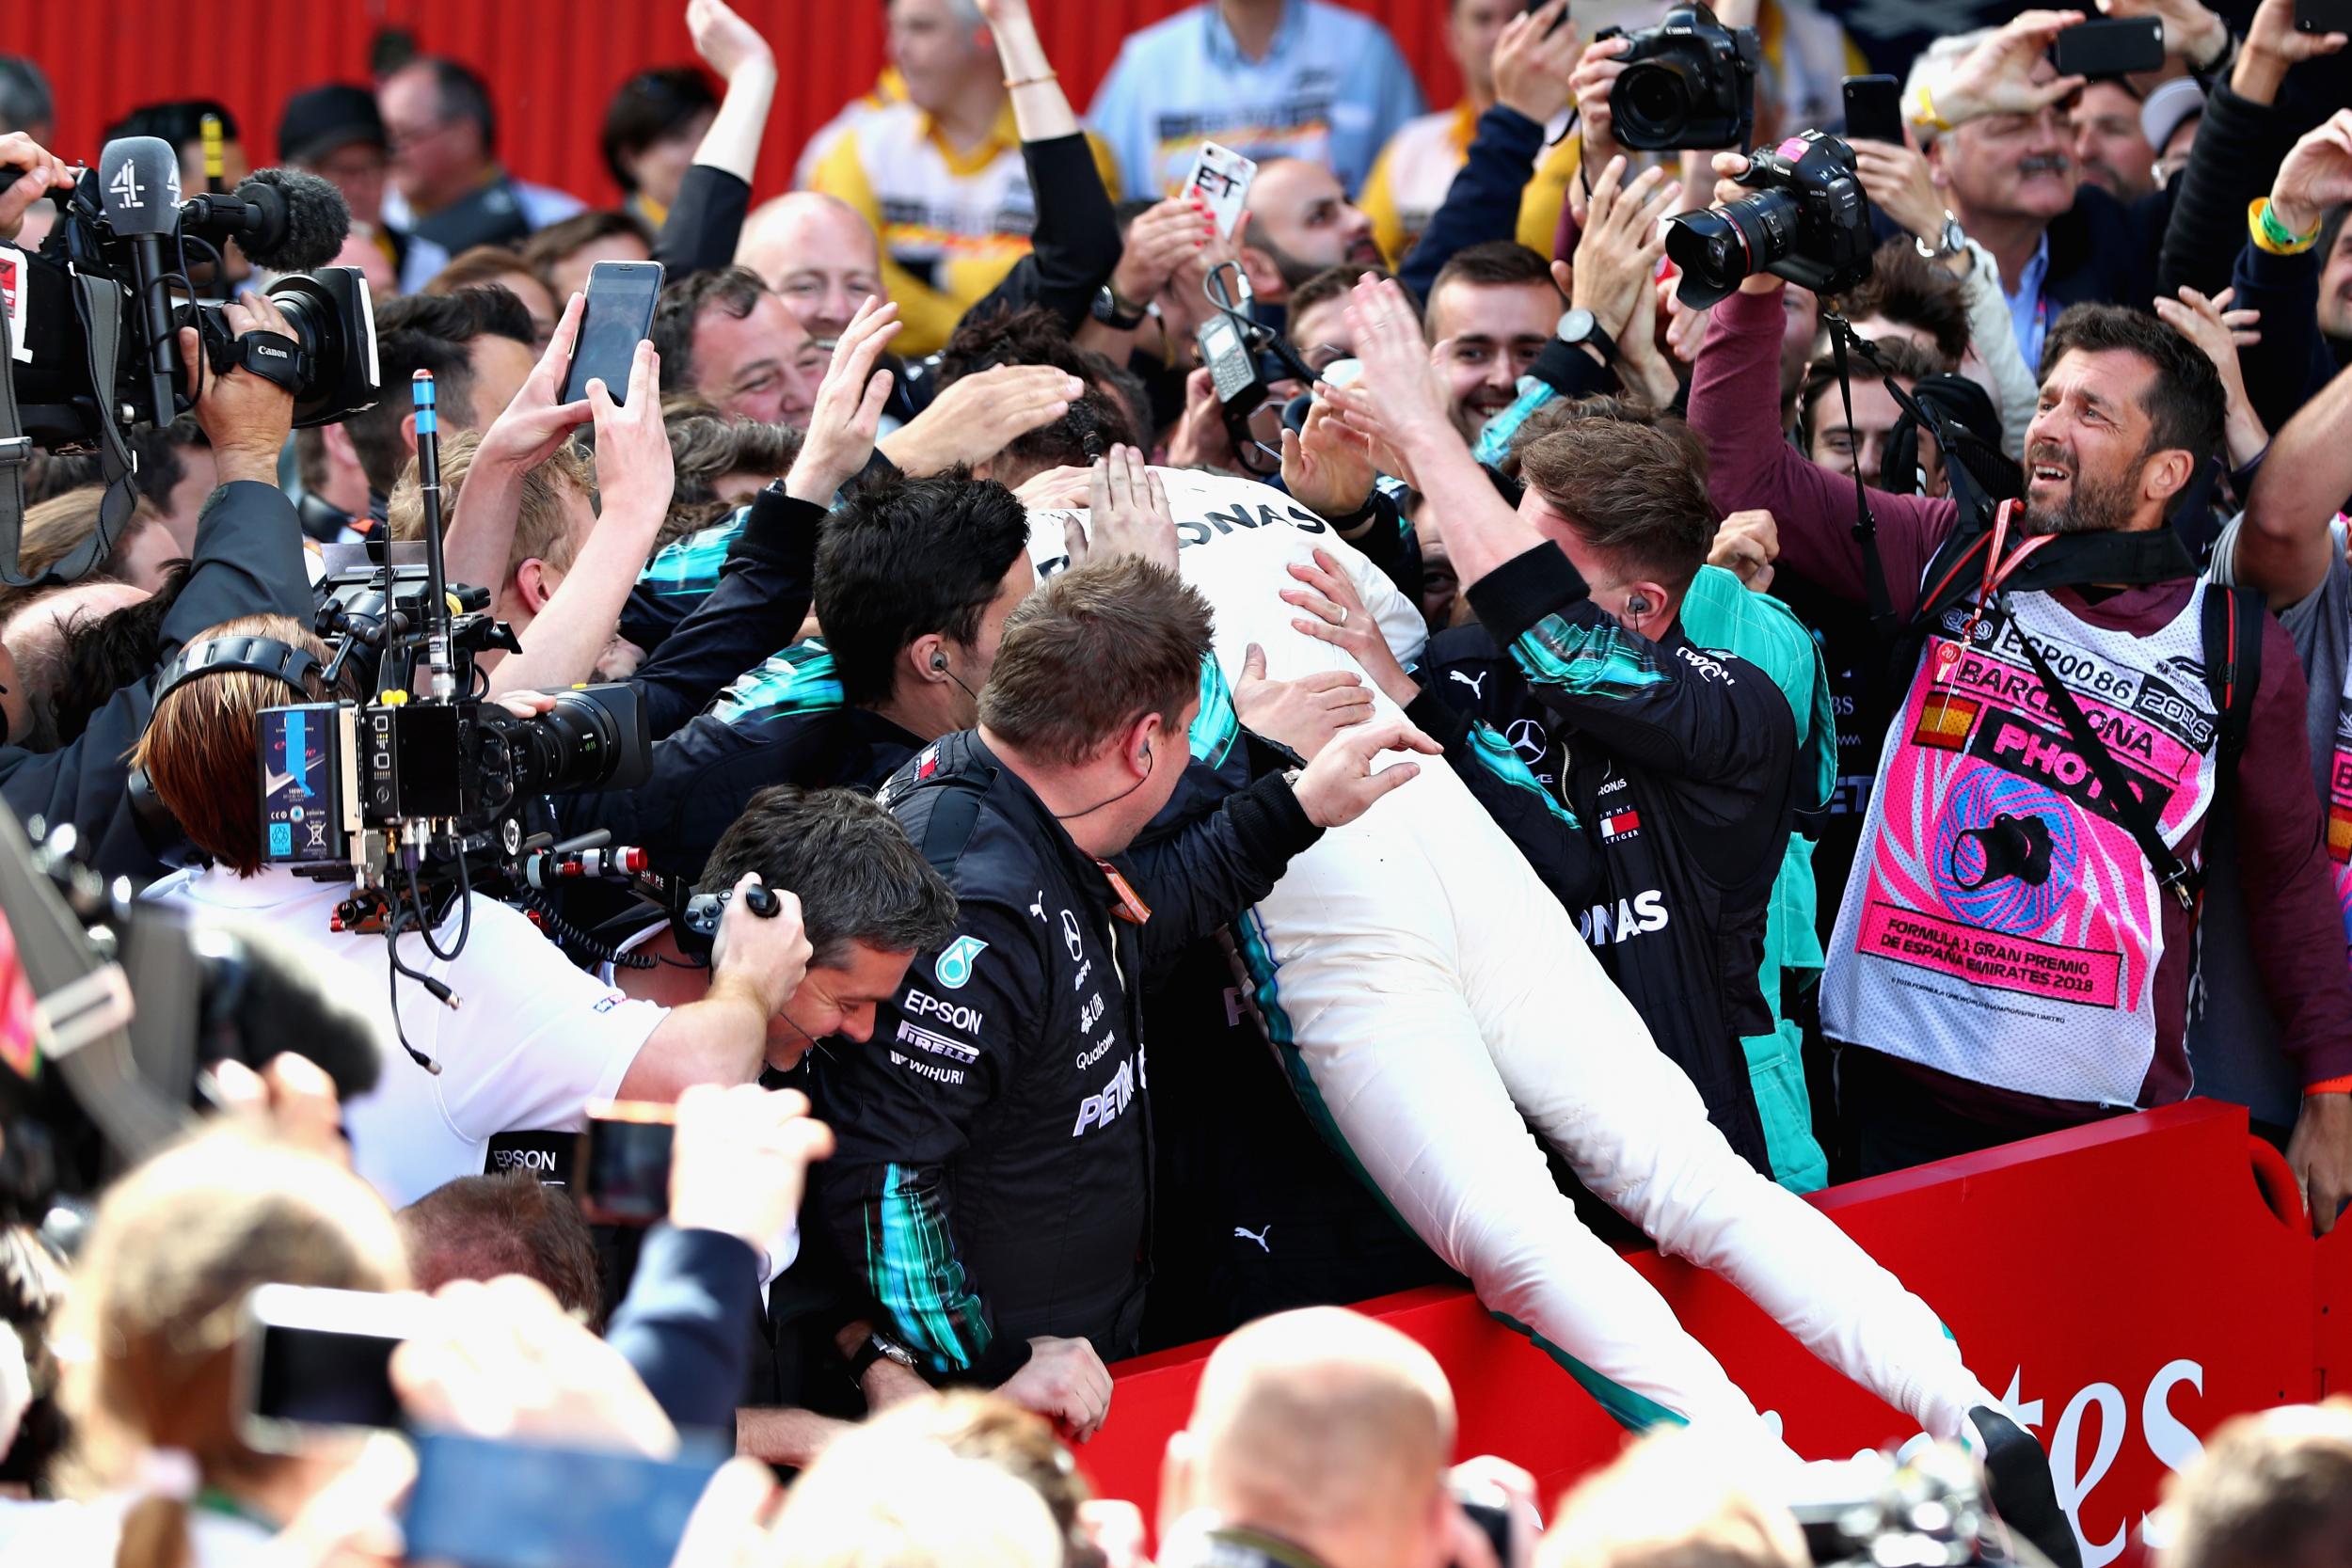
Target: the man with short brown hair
(553, 515)
(993, 1180)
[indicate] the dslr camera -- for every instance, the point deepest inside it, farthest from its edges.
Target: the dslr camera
(103, 301)
(1808, 222)
(1688, 82)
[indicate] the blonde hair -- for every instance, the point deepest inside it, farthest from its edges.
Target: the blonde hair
(148, 1336)
(542, 523)
(876, 1500)
(1672, 1500)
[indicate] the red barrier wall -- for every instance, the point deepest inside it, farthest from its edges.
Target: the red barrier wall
(551, 64)
(2126, 1285)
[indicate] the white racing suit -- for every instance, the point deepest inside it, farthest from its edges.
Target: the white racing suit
(1426, 992)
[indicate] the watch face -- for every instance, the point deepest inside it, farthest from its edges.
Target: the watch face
(1576, 325)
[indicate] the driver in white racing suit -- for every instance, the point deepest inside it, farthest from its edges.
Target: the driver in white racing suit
(1430, 999)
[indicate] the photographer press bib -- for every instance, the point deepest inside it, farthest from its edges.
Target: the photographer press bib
(2004, 926)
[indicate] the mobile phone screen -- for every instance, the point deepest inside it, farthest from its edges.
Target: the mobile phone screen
(320, 1358)
(484, 1504)
(2109, 46)
(616, 316)
(624, 1165)
(1874, 110)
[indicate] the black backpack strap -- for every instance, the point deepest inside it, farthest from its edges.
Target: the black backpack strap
(2232, 625)
(2173, 873)
(953, 816)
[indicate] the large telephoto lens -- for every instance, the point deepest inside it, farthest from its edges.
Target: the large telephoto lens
(334, 322)
(1718, 247)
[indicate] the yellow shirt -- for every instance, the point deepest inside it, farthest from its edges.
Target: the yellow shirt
(952, 223)
(1410, 181)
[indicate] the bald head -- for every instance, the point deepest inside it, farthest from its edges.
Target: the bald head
(818, 253)
(1325, 1428)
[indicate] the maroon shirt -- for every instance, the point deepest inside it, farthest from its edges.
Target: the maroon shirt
(2297, 928)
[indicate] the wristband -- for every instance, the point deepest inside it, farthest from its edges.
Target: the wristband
(1923, 110)
(2328, 1085)
(2269, 234)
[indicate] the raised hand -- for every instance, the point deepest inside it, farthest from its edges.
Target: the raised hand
(2272, 45)
(1617, 251)
(635, 474)
(1996, 77)
(1895, 180)
(725, 41)
(537, 421)
(504, 1360)
(1322, 470)
(1400, 385)
(1534, 59)
(1592, 82)
(2191, 31)
(1162, 238)
(1302, 714)
(2316, 175)
(38, 171)
(1746, 545)
(1336, 614)
(2218, 333)
(848, 407)
(741, 1160)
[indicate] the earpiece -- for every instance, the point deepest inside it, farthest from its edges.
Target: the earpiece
(939, 661)
(1636, 605)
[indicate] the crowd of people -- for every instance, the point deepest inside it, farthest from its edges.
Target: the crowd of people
(1546, 751)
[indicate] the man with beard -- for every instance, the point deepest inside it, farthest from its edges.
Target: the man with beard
(2007, 959)
(1301, 222)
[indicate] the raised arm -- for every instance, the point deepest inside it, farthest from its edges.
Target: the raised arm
(634, 478)
(2283, 544)
(704, 223)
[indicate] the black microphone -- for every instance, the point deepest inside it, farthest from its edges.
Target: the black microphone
(262, 994)
(139, 190)
(281, 218)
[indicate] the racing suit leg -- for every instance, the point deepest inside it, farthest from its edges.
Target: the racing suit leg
(1351, 957)
(1580, 1065)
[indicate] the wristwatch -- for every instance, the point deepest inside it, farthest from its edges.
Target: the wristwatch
(1950, 242)
(1118, 314)
(1576, 327)
(878, 1349)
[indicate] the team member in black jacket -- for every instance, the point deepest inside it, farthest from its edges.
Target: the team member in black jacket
(248, 562)
(1663, 783)
(992, 1184)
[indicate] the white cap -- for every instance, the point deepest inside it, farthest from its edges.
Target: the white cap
(2168, 108)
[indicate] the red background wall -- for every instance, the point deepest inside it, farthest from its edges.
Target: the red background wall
(550, 63)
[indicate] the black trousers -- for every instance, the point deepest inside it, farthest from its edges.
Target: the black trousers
(1898, 1115)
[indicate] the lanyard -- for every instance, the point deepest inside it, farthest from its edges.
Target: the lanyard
(1996, 573)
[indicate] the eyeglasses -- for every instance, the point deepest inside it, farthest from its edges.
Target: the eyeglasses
(398, 141)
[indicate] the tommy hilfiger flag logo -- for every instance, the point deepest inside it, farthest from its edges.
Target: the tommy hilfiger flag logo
(1620, 824)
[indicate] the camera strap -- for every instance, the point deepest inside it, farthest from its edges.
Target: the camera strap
(2173, 873)
(1866, 526)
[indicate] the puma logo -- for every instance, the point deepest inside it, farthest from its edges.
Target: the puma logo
(1037, 908)
(1257, 1236)
(1475, 685)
